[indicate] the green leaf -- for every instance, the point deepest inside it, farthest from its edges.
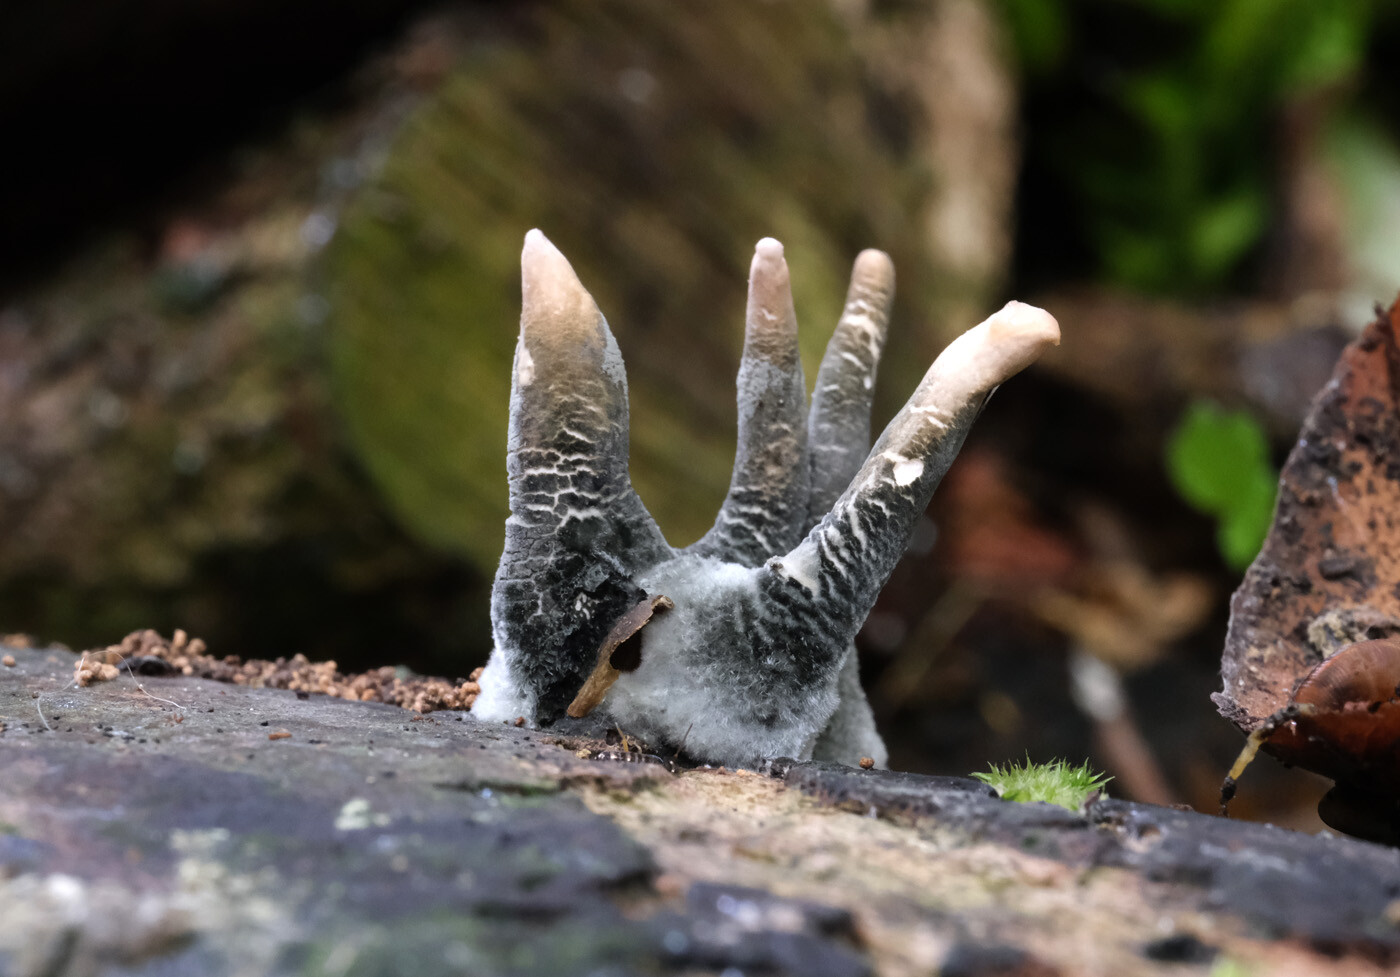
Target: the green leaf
(1215, 457)
(1332, 48)
(1224, 230)
(1219, 463)
(1039, 32)
(1244, 526)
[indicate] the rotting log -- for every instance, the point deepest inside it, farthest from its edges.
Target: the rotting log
(184, 825)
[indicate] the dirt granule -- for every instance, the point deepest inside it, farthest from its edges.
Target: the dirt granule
(147, 652)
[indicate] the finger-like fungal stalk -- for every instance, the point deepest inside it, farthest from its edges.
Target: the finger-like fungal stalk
(755, 658)
(839, 427)
(766, 507)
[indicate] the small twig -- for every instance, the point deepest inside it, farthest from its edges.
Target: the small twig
(39, 700)
(1251, 747)
(626, 747)
(683, 739)
(132, 672)
(1097, 689)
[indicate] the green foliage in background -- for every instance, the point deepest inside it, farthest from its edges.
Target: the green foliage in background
(1056, 782)
(1218, 461)
(1158, 120)
(1364, 157)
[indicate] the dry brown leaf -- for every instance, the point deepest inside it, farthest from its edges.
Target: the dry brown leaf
(1329, 572)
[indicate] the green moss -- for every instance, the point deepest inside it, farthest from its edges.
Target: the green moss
(1057, 782)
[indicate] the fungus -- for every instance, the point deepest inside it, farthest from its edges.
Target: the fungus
(754, 658)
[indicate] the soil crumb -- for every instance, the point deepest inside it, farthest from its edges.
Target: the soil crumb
(147, 652)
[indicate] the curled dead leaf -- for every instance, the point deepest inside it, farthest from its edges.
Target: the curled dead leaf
(1302, 668)
(621, 651)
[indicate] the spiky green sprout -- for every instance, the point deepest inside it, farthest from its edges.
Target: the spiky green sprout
(1056, 782)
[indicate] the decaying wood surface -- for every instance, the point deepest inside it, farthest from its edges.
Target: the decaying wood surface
(185, 825)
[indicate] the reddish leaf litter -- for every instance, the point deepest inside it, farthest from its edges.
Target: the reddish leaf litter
(147, 652)
(1328, 580)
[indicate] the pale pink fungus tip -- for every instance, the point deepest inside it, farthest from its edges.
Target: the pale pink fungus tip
(770, 248)
(554, 303)
(772, 323)
(873, 261)
(768, 262)
(1015, 337)
(544, 267)
(1027, 321)
(873, 271)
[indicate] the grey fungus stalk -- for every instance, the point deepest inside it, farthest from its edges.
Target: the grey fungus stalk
(753, 657)
(766, 506)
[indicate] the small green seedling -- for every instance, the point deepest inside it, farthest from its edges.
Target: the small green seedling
(1056, 782)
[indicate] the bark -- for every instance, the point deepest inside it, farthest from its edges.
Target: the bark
(182, 825)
